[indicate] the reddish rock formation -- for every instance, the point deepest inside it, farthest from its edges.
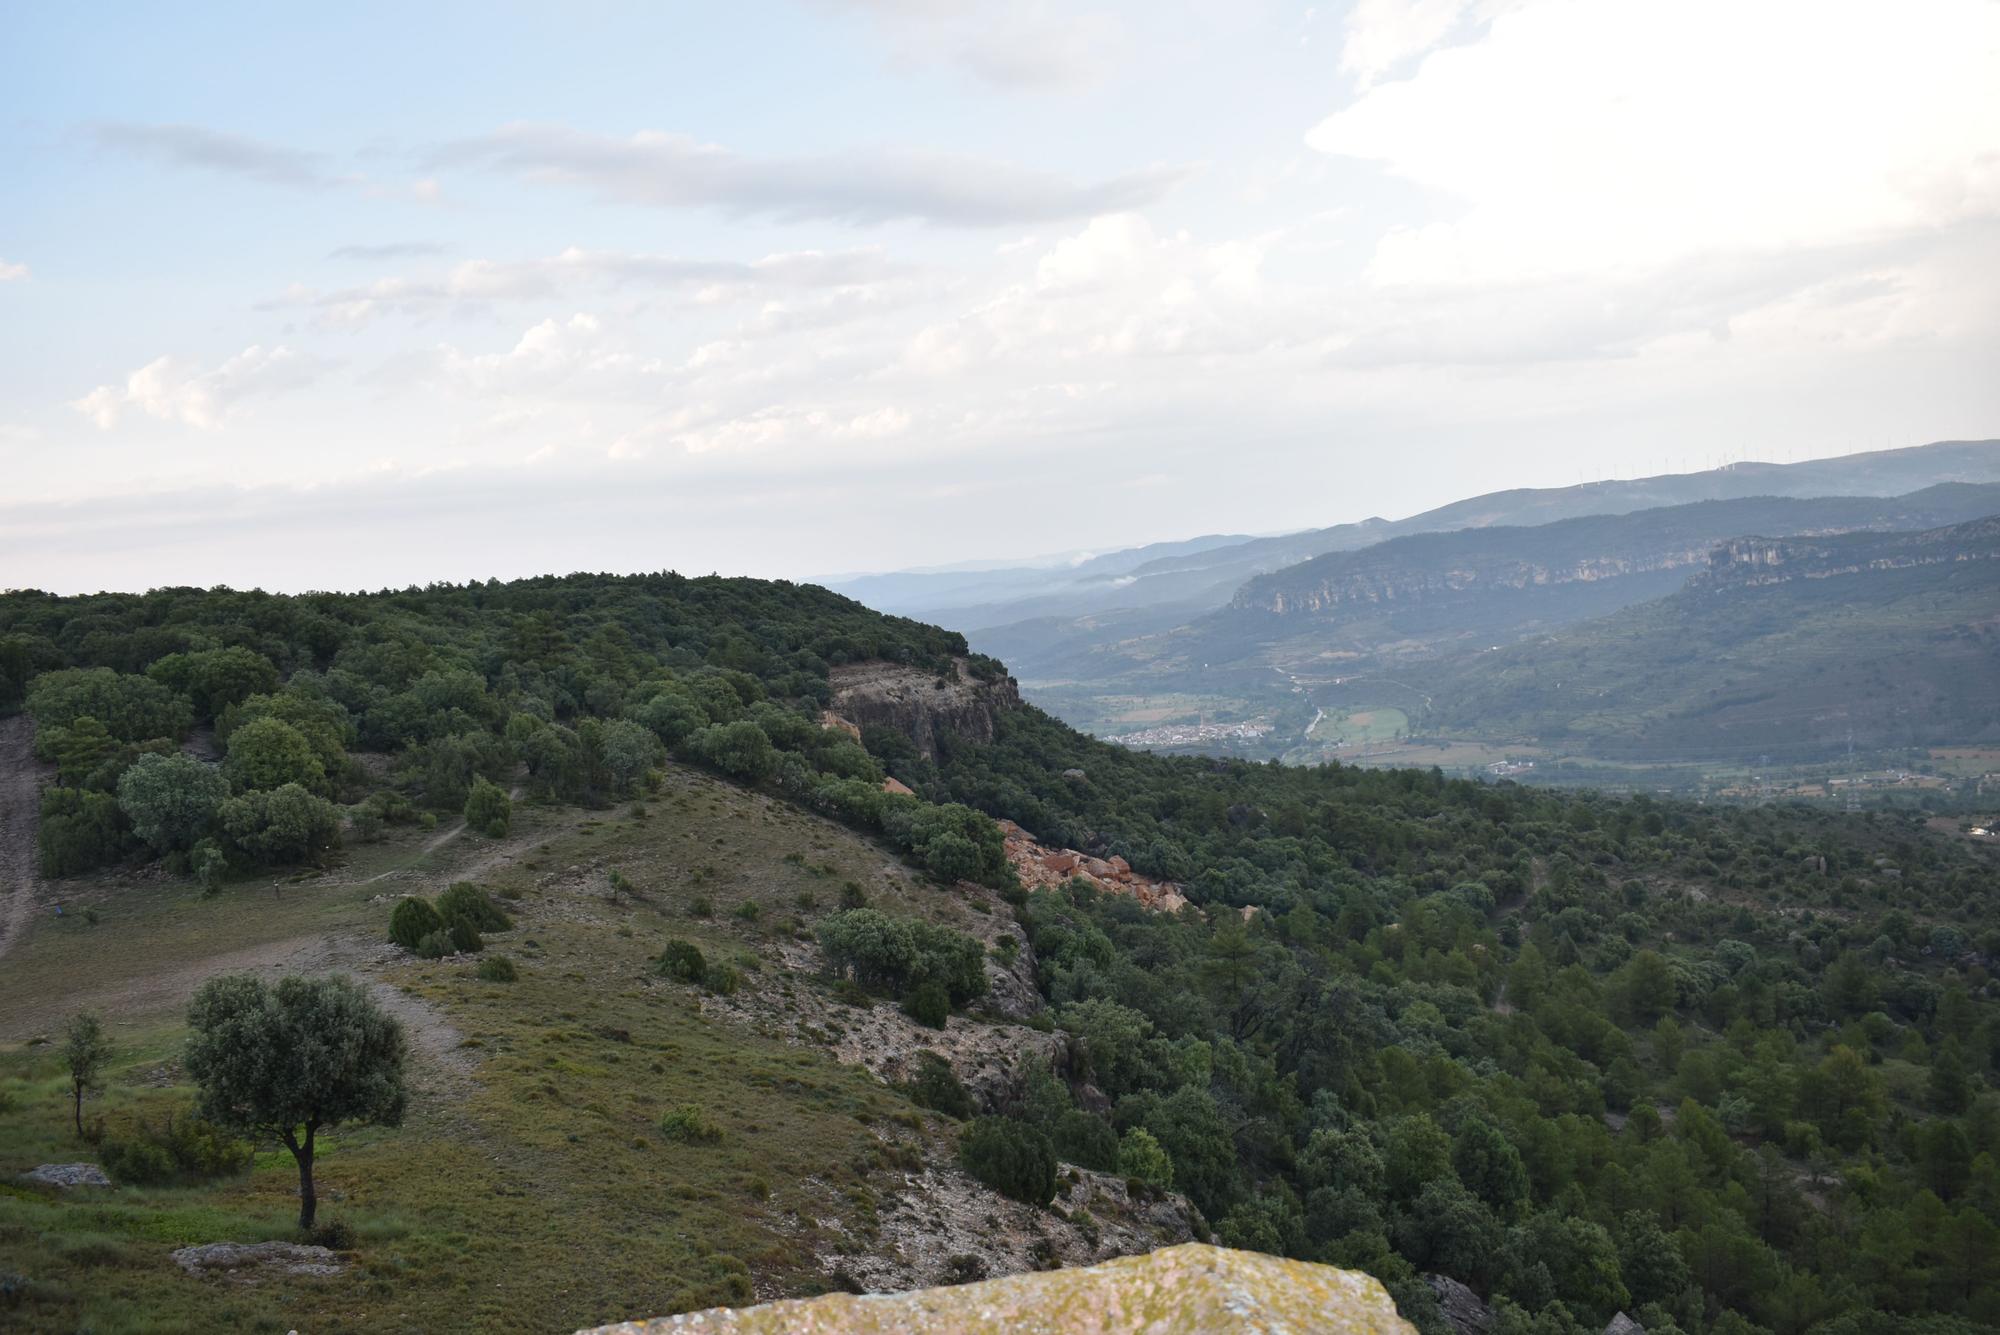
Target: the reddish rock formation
(1038, 866)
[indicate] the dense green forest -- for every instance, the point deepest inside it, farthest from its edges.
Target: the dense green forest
(1726, 1069)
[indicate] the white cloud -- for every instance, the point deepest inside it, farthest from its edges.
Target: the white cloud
(204, 149)
(1022, 46)
(575, 270)
(1600, 136)
(669, 170)
(10, 273)
(175, 391)
(1383, 35)
(1114, 290)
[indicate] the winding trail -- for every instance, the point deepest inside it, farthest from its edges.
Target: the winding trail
(20, 808)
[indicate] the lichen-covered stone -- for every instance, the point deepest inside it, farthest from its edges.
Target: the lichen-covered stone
(67, 1175)
(1174, 1291)
(252, 1260)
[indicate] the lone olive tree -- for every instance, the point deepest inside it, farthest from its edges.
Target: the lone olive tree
(292, 1060)
(86, 1049)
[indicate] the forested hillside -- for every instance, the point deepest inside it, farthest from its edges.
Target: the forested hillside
(1725, 1069)
(1793, 648)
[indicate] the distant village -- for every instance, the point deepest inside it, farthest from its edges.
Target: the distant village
(1193, 734)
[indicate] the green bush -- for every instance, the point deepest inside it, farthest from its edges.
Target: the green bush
(79, 830)
(900, 954)
(281, 825)
(723, 980)
(683, 962)
(436, 945)
(937, 1087)
(488, 809)
(928, 1004)
(464, 939)
(498, 969)
(689, 1125)
(209, 864)
(411, 921)
(1141, 1158)
(1011, 1157)
(1086, 1141)
(183, 1149)
(467, 903)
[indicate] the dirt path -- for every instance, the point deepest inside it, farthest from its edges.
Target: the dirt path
(20, 808)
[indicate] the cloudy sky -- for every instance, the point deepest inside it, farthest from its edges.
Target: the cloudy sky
(346, 296)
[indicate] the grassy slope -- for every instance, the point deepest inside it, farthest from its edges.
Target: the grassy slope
(530, 1188)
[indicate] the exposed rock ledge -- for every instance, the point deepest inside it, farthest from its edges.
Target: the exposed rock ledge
(920, 704)
(1173, 1291)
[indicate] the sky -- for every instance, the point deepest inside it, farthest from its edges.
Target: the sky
(369, 295)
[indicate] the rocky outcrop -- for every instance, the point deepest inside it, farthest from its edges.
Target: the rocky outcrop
(250, 1261)
(922, 705)
(1039, 865)
(67, 1175)
(1756, 561)
(1462, 1307)
(1174, 1291)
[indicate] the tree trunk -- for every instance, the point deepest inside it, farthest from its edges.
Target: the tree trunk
(303, 1152)
(77, 1089)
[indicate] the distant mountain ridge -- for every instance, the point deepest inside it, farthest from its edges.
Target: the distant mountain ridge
(1592, 549)
(1753, 561)
(1145, 588)
(1789, 647)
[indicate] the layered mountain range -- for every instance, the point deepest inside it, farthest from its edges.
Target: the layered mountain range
(1425, 609)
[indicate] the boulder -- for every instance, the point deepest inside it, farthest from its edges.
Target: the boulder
(1120, 867)
(1173, 1291)
(67, 1175)
(1462, 1307)
(250, 1260)
(1624, 1325)
(1062, 864)
(1098, 869)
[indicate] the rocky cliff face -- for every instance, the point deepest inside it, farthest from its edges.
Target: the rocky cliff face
(1375, 587)
(1440, 566)
(1174, 1291)
(922, 705)
(1750, 562)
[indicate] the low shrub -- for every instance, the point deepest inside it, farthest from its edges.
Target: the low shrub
(683, 962)
(412, 920)
(467, 903)
(333, 1234)
(937, 1087)
(498, 969)
(182, 1149)
(1011, 1157)
(689, 1125)
(928, 1004)
(1088, 1142)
